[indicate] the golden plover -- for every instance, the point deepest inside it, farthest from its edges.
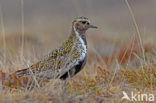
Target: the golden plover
(63, 62)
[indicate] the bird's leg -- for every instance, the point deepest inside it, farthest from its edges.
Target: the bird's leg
(65, 82)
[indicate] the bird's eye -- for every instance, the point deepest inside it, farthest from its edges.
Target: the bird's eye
(87, 23)
(83, 22)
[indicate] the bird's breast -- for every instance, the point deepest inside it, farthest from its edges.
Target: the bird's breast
(82, 49)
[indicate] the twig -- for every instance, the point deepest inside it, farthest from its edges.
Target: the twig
(3, 33)
(137, 28)
(22, 23)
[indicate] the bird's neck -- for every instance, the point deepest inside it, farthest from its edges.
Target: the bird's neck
(78, 34)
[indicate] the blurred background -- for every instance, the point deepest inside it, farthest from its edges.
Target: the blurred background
(109, 15)
(46, 23)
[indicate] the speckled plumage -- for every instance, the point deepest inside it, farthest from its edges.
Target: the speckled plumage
(63, 62)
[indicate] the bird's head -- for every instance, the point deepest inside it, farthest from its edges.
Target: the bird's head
(81, 24)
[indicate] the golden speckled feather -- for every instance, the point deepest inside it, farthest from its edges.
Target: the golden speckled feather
(63, 62)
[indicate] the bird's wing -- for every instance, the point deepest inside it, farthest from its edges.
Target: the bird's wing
(30, 70)
(55, 63)
(68, 62)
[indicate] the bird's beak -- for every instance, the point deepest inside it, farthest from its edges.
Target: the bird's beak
(93, 26)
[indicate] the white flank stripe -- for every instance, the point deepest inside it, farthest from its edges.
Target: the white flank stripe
(83, 45)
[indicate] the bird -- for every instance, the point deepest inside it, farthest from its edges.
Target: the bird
(61, 63)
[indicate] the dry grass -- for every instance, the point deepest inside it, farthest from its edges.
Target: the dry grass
(102, 80)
